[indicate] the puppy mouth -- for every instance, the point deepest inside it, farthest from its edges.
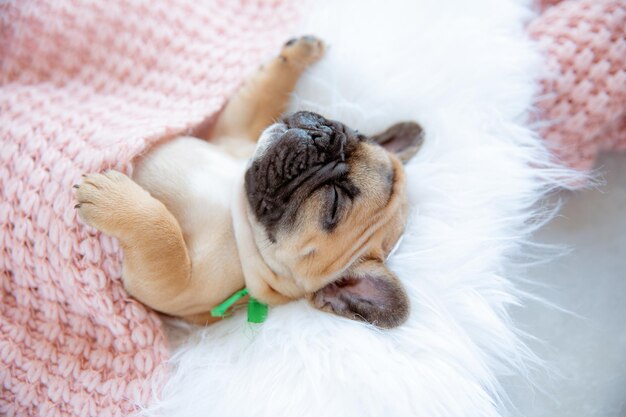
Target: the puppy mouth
(296, 156)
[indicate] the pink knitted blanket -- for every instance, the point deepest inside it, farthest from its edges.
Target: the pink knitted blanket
(89, 85)
(584, 99)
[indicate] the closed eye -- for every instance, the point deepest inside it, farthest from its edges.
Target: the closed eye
(335, 201)
(338, 198)
(333, 207)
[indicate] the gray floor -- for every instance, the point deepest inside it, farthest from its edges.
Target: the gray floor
(587, 349)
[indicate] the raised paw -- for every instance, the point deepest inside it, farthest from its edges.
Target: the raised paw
(110, 201)
(302, 51)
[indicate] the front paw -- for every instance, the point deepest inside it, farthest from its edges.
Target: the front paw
(109, 201)
(303, 51)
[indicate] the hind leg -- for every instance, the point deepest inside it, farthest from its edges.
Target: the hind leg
(157, 268)
(265, 96)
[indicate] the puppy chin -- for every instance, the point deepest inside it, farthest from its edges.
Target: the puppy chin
(268, 136)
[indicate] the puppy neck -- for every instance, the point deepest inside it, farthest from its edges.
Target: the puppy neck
(260, 279)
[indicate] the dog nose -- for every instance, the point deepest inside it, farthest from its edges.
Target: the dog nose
(293, 131)
(308, 121)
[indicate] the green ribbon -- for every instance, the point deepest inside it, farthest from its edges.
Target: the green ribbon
(257, 311)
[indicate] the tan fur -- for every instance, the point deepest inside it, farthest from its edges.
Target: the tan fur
(189, 240)
(312, 258)
(265, 96)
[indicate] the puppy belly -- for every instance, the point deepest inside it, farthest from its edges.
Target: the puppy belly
(195, 181)
(189, 174)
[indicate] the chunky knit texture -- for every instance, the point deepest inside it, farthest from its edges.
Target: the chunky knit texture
(584, 100)
(87, 86)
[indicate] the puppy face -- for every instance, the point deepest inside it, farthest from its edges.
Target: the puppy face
(327, 205)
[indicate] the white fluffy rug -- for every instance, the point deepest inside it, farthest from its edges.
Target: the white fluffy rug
(466, 72)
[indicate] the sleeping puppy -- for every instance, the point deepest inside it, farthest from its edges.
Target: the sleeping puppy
(290, 207)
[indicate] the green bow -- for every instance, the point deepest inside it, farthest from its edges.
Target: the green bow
(257, 311)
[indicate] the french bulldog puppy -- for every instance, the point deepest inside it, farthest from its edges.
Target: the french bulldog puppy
(294, 206)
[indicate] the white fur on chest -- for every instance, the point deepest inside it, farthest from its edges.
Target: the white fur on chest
(214, 178)
(193, 178)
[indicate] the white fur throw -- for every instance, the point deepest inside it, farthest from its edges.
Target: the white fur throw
(467, 73)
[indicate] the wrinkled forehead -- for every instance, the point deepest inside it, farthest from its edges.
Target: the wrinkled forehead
(376, 180)
(373, 226)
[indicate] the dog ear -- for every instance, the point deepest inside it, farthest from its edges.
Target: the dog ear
(369, 292)
(403, 139)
